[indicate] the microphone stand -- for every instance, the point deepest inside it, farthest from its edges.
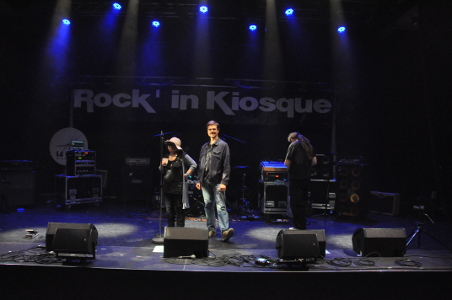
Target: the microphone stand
(158, 239)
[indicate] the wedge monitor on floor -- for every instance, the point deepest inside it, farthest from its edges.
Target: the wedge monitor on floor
(185, 242)
(300, 244)
(385, 242)
(72, 240)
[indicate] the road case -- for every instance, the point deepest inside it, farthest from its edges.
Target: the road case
(72, 190)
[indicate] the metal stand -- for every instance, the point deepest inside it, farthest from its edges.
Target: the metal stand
(158, 239)
(243, 203)
(418, 232)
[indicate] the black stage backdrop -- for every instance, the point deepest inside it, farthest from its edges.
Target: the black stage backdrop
(394, 110)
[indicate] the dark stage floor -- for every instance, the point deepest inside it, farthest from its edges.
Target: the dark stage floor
(126, 231)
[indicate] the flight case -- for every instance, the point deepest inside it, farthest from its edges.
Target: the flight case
(72, 190)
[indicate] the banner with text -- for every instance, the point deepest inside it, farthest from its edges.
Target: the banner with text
(193, 103)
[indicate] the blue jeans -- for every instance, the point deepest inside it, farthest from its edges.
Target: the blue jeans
(213, 197)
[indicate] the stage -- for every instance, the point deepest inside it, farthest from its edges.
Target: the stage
(128, 263)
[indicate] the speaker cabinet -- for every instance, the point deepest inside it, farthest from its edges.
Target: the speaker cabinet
(72, 237)
(18, 188)
(181, 241)
(385, 242)
(295, 244)
(324, 169)
(136, 183)
(384, 203)
(322, 193)
(353, 191)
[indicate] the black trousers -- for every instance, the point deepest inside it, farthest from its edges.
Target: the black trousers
(298, 192)
(174, 211)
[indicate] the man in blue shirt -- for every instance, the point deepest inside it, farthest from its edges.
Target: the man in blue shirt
(213, 177)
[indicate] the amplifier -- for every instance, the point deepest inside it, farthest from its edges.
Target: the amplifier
(138, 161)
(273, 170)
(81, 168)
(137, 183)
(384, 203)
(16, 166)
(325, 168)
(18, 188)
(80, 162)
(74, 155)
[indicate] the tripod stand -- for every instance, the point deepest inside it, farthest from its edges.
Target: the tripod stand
(418, 232)
(243, 204)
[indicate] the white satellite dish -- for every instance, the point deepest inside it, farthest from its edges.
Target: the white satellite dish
(62, 141)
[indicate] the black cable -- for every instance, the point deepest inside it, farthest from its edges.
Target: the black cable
(339, 262)
(237, 260)
(408, 263)
(364, 262)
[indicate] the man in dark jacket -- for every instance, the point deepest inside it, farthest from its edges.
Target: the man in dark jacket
(213, 177)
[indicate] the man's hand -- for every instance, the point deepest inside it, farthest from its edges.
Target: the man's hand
(222, 188)
(198, 186)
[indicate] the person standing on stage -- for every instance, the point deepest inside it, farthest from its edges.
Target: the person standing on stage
(176, 167)
(299, 159)
(213, 177)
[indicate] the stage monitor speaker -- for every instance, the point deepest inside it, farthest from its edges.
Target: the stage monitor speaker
(181, 241)
(78, 236)
(295, 244)
(385, 242)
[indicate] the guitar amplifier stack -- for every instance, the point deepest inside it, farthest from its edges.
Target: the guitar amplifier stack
(80, 184)
(322, 192)
(137, 179)
(273, 188)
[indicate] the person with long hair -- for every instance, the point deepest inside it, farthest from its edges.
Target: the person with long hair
(176, 166)
(299, 159)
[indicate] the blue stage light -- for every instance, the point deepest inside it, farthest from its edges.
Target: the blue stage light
(253, 27)
(117, 5)
(156, 23)
(66, 22)
(341, 29)
(289, 12)
(203, 9)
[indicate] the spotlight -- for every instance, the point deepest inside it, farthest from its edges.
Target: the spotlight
(66, 22)
(156, 23)
(341, 29)
(203, 9)
(289, 12)
(253, 27)
(117, 6)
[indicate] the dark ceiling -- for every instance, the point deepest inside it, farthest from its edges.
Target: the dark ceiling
(362, 12)
(374, 12)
